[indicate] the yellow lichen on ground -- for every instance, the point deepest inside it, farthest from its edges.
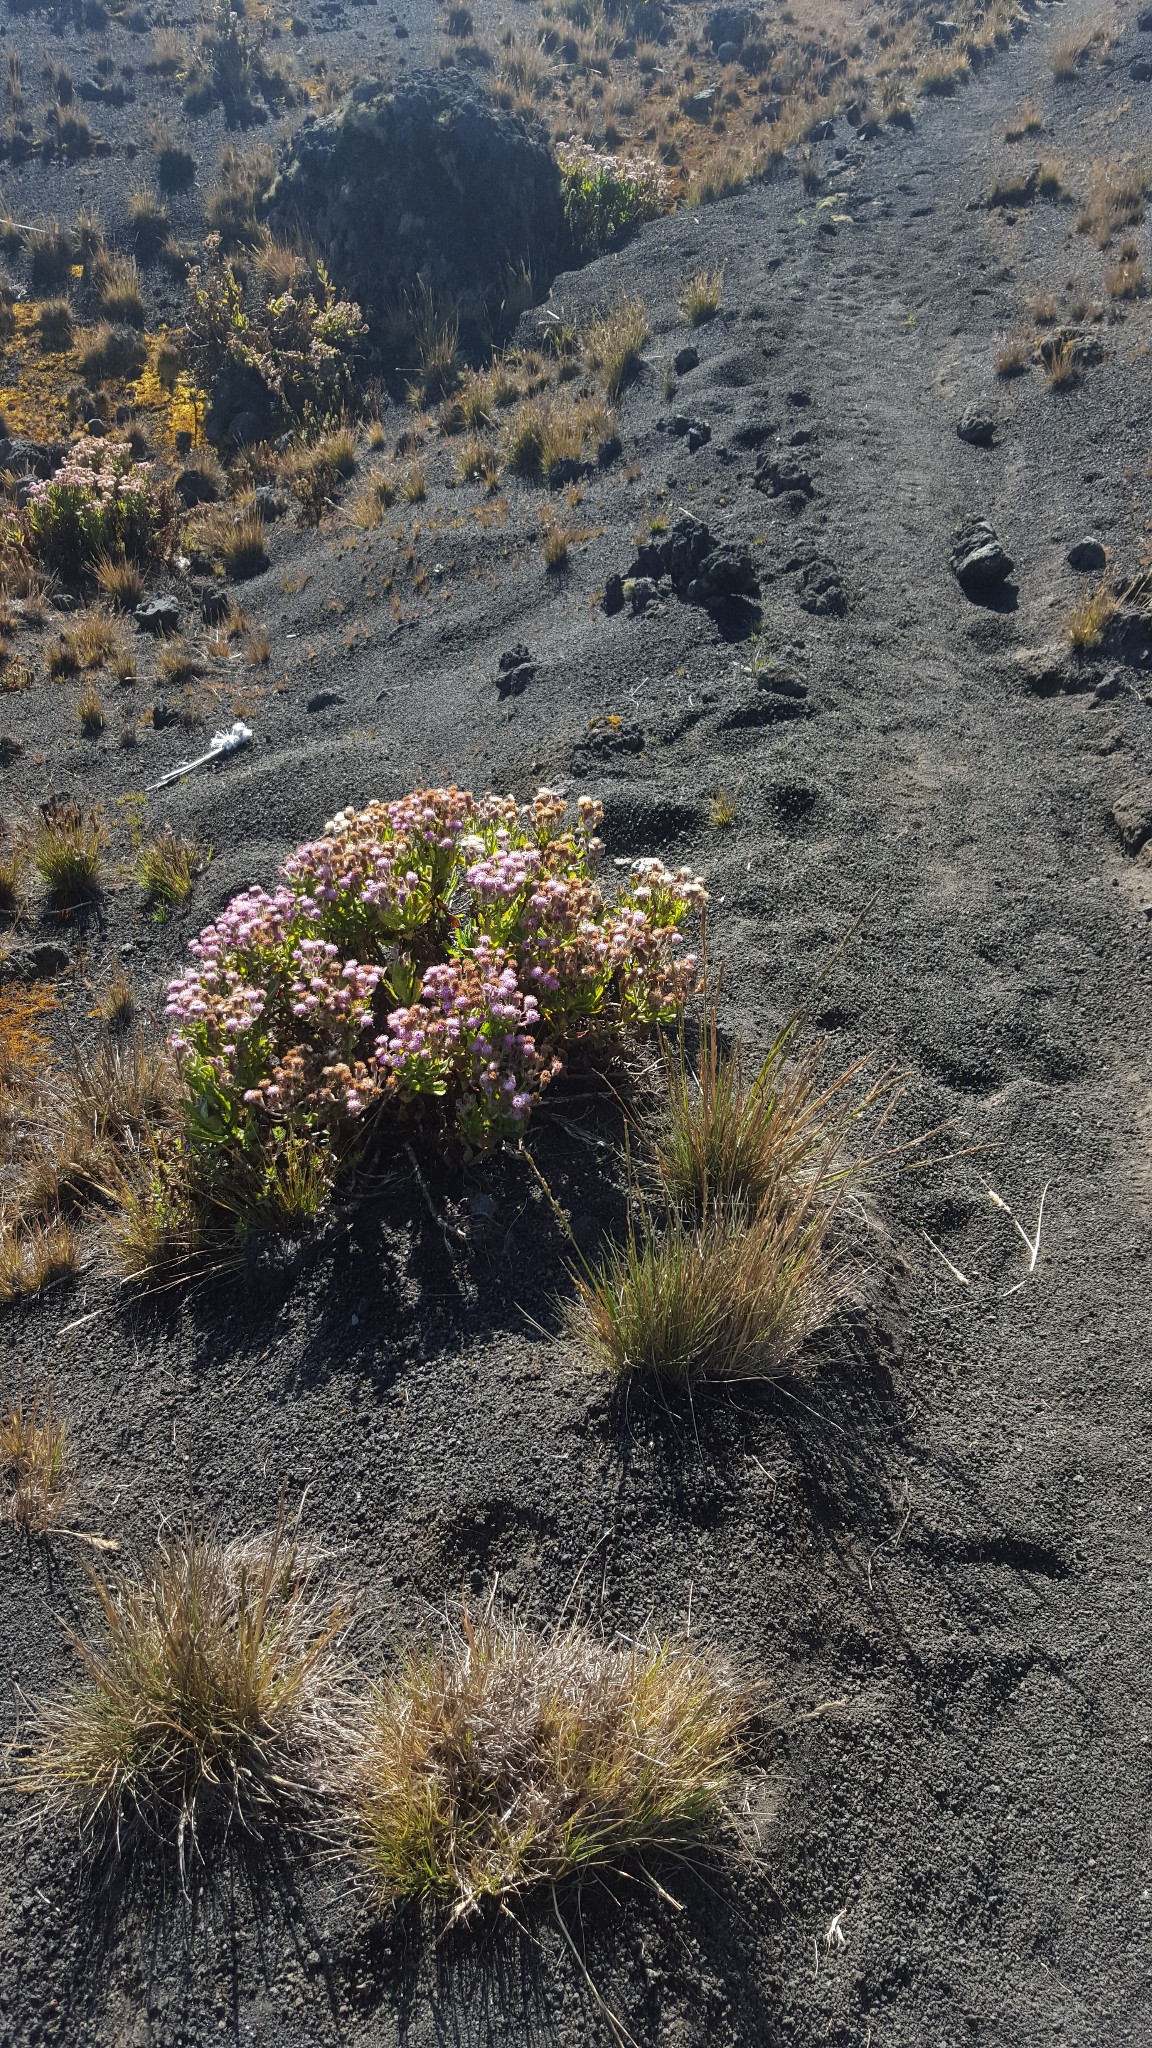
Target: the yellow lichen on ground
(38, 399)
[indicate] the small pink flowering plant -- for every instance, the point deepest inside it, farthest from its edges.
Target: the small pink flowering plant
(442, 950)
(99, 502)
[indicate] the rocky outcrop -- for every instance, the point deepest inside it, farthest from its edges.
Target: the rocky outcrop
(426, 180)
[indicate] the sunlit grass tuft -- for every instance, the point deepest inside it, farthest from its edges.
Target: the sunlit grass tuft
(505, 1760)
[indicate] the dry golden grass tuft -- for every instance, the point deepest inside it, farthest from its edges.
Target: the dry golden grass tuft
(33, 1464)
(701, 296)
(505, 1760)
(206, 1702)
(90, 712)
(121, 581)
(1117, 199)
(614, 344)
(1015, 357)
(34, 1257)
(67, 848)
(168, 867)
(1091, 618)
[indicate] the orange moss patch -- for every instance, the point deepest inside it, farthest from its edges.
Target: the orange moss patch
(25, 1050)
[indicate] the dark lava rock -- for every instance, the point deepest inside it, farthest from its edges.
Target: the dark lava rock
(323, 700)
(769, 697)
(215, 605)
(163, 714)
(641, 591)
(158, 615)
(27, 458)
(1087, 554)
(610, 450)
(1054, 671)
(783, 476)
(1129, 635)
(976, 426)
(701, 567)
(685, 359)
(611, 735)
(979, 563)
(196, 487)
(1144, 21)
(245, 428)
(10, 750)
(1132, 817)
(728, 53)
(1140, 69)
(425, 178)
(696, 432)
(728, 25)
(516, 669)
(698, 106)
(269, 504)
(613, 599)
(37, 960)
(820, 588)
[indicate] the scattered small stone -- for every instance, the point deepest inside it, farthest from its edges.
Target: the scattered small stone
(976, 426)
(158, 615)
(1054, 671)
(38, 960)
(516, 669)
(820, 588)
(685, 359)
(323, 700)
(1087, 554)
(1132, 817)
(799, 397)
(726, 25)
(1109, 686)
(696, 432)
(783, 476)
(698, 105)
(196, 487)
(980, 563)
(27, 458)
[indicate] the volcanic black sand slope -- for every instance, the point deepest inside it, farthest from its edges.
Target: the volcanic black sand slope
(916, 775)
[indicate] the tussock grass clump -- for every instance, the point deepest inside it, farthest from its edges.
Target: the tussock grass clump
(90, 712)
(1015, 357)
(244, 547)
(614, 345)
(507, 1759)
(206, 1701)
(68, 844)
(168, 867)
(701, 297)
(54, 326)
(118, 291)
(13, 862)
(1091, 618)
(314, 471)
(723, 1297)
(120, 580)
(32, 1259)
(51, 252)
(33, 1464)
(1117, 198)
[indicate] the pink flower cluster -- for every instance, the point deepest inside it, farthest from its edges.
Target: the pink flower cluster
(102, 470)
(490, 912)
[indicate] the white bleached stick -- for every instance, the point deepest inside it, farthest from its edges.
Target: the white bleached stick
(223, 744)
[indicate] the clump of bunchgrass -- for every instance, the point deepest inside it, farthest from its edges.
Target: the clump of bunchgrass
(701, 296)
(68, 842)
(614, 345)
(506, 1760)
(168, 867)
(244, 547)
(725, 1296)
(206, 1701)
(121, 580)
(35, 1257)
(33, 1463)
(1091, 618)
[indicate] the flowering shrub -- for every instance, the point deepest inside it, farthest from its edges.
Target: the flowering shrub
(302, 344)
(98, 503)
(441, 950)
